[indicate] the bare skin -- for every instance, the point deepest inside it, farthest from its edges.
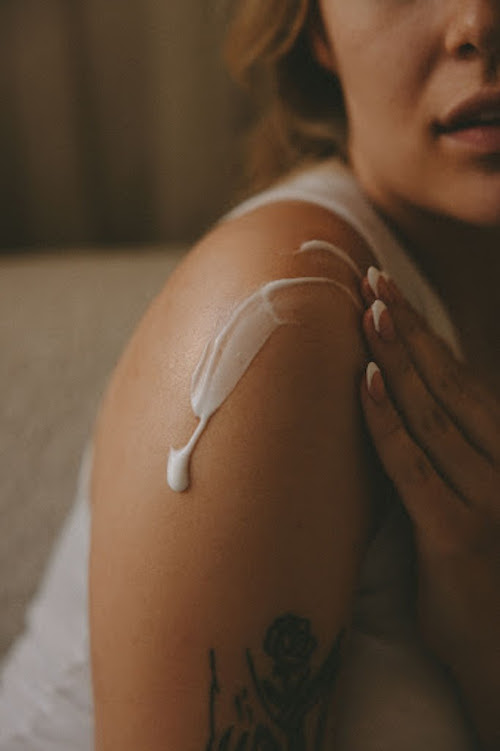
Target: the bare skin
(468, 285)
(187, 603)
(440, 195)
(450, 492)
(149, 578)
(405, 68)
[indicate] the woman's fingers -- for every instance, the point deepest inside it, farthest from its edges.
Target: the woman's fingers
(435, 509)
(427, 422)
(473, 407)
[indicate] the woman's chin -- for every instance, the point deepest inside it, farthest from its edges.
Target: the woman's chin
(486, 214)
(479, 205)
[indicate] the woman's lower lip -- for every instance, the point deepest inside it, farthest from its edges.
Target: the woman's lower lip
(484, 138)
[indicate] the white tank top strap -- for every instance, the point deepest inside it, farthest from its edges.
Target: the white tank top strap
(333, 186)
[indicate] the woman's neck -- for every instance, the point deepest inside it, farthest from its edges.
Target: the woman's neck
(462, 262)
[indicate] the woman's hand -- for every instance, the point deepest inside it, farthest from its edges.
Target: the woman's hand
(437, 434)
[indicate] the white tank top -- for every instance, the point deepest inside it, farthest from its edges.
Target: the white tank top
(392, 695)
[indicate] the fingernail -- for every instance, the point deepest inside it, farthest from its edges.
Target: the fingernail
(382, 321)
(375, 382)
(374, 275)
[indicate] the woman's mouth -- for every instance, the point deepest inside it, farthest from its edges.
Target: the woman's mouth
(485, 136)
(475, 123)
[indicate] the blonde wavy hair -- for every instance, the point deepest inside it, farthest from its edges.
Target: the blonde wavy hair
(299, 108)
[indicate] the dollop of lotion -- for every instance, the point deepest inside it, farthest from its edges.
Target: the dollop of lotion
(228, 355)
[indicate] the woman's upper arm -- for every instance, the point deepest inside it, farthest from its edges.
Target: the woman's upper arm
(222, 606)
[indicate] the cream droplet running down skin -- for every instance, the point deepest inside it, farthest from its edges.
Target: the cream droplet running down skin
(229, 354)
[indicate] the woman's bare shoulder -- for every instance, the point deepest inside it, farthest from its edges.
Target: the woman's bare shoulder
(147, 403)
(288, 239)
(283, 236)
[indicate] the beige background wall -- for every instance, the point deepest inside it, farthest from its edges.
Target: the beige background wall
(118, 126)
(118, 122)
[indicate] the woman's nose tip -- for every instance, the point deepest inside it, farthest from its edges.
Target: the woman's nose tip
(474, 29)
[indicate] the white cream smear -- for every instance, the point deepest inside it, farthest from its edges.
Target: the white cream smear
(228, 355)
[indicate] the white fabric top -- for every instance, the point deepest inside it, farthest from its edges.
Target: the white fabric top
(393, 696)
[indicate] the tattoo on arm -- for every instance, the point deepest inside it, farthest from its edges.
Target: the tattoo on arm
(292, 703)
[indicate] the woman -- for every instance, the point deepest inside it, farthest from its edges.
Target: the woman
(282, 558)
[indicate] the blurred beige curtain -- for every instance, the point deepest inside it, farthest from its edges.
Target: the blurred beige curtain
(117, 121)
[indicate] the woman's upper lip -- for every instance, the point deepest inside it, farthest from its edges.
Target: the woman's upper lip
(483, 104)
